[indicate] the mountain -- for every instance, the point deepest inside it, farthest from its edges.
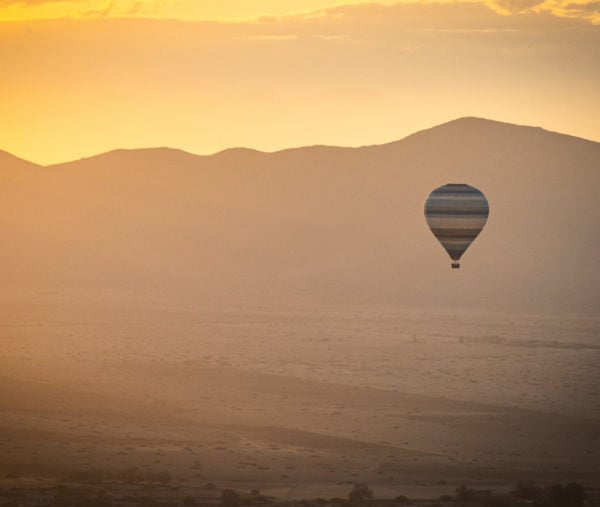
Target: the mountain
(314, 224)
(9, 164)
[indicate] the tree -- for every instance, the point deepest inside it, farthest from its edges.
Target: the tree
(464, 495)
(574, 495)
(571, 495)
(230, 498)
(360, 493)
(526, 490)
(553, 496)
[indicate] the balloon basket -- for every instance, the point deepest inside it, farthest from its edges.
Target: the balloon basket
(455, 265)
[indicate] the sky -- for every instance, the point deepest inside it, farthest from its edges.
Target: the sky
(85, 77)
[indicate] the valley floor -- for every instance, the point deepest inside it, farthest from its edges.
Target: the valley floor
(299, 402)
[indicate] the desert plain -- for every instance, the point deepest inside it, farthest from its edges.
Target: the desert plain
(298, 400)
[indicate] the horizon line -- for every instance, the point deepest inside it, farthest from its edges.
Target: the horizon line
(290, 148)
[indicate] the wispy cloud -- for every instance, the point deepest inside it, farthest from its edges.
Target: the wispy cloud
(414, 11)
(122, 8)
(584, 10)
(8, 3)
(102, 12)
(515, 6)
(587, 11)
(88, 8)
(381, 20)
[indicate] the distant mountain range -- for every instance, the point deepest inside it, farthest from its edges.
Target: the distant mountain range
(313, 224)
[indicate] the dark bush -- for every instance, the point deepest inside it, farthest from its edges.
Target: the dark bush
(360, 493)
(230, 498)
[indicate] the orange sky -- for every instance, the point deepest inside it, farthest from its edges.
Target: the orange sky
(175, 9)
(99, 76)
(197, 10)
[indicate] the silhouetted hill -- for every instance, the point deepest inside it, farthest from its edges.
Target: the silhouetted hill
(316, 223)
(9, 162)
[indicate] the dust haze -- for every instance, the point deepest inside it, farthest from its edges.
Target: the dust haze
(286, 322)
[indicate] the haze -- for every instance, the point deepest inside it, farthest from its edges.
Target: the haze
(286, 321)
(217, 284)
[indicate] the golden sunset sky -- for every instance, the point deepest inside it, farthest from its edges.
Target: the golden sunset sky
(81, 77)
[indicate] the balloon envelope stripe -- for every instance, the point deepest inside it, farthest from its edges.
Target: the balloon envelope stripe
(454, 196)
(458, 202)
(459, 189)
(456, 233)
(457, 212)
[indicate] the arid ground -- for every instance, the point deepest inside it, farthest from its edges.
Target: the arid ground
(299, 401)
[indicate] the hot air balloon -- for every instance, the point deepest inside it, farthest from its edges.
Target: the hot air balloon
(456, 214)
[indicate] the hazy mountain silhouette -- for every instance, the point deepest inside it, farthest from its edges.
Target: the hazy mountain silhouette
(9, 162)
(315, 223)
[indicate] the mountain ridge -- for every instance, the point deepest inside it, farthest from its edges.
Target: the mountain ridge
(316, 223)
(8, 159)
(470, 122)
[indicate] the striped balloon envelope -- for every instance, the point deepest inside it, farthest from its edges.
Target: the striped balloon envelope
(456, 213)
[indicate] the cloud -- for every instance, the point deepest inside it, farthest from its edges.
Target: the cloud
(587, 11)
(447, 14)
(136, 8)
(91, 8)
(121, 8)
(102, 12)
(584, 10)
(409, 14)
(585, 7)
(32, 3)
(515, 6)
(372, 19)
